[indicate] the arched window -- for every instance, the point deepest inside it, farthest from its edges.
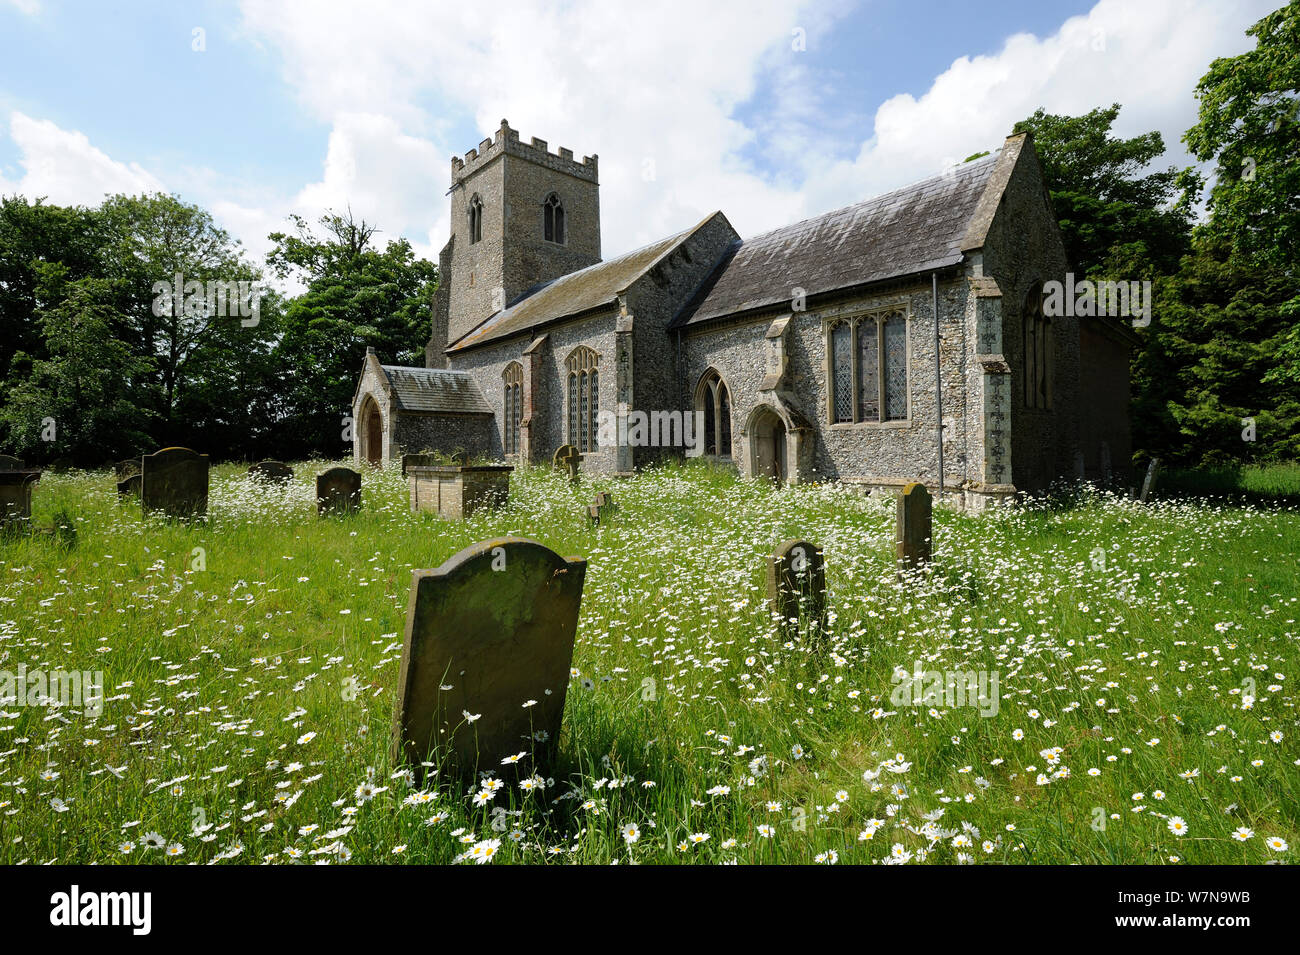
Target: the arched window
(475, 219)
(513, 380)
(584, 398)
(1037, 352)
(867, 360)
(553, 219)
(713, 399)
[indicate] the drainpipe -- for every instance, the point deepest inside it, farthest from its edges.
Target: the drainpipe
(938, 383)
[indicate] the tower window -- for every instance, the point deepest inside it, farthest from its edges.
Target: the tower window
(475, 220)
(553, 219)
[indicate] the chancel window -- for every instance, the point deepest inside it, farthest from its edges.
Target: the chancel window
(1037, 353)
(714, 400)
(867, 358)
(584, 398)
(475, 220)
(553, 219)
(513, 380)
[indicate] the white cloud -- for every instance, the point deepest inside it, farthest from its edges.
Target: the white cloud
(29, 8)
(63, 166)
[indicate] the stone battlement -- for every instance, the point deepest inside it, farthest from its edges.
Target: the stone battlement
(507, 141)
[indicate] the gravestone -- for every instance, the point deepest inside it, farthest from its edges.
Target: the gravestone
(796, 586)
(124, 469)
(490, 634)
(456, 492)
(912, 530)
(129, 486)
(338, 491)
(460, 458)
(1149, 482)
(417, 460)
(174, 481)
(567, 458)
(274, 471)
(602, 510)
(16, 482)
(61, 465)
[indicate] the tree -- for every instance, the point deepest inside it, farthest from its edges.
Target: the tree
(1110, 215)
(78, 401)
(356, 296)
(1249, 124)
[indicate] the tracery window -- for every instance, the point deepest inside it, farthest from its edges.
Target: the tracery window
(584, 397)
(513, 381)
(867, 361)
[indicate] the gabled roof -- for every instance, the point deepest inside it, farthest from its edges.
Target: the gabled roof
(435, 390)
(582, 291)
(915, 229)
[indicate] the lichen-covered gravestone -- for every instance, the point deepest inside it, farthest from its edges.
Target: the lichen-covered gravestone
(174, 481)
(796, 586)
(912, 530)
(129, 486)
(602, 510)
(125, 468)
(276, 472)
(485, 663)
(338, 491)
(1149, 482)
(16, 481)
(567, 458)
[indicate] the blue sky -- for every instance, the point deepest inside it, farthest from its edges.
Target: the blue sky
(298, 107)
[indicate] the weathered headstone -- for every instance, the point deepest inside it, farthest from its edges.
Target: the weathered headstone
(16, 481)
(567, 458)
(125, 468)
(274, 471)
(602, 510)
(174, 481)
(417, 460)
(460, 458)
(129, 486)
(61, 465)
(1149, 482)
(796, 585)
(338, 491)
(485, 663)
(912, 530)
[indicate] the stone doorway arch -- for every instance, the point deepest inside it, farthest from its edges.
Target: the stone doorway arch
(767, 442)
(371, 432)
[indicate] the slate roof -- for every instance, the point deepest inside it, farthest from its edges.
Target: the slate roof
(573, 294)
(911, 230)
(435, 390)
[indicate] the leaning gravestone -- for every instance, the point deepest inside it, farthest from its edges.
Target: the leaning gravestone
(16, 481)
(1149, 482)
(912, 531)
(129, 487)
(274, 471)
(338, 491)
(485, 663)
(796, 585)
(567, 458)
(174, 481)
(602, 510)
(125, 468)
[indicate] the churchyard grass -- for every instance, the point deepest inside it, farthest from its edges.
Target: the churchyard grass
(1146, 659)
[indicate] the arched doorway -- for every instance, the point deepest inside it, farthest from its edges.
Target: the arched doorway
(372, 433)
(767, 433)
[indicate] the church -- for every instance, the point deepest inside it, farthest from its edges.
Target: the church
(899, 339)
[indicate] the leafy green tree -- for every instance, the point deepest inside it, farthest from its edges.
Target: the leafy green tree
(1249, 124)
(1111, 215)
(78, 401)
(356, 296)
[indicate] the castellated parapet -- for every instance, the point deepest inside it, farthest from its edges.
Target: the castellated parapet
(507, 141)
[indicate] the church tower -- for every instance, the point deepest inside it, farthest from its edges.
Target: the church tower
(520, 215)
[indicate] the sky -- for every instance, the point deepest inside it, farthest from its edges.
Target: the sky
(770, 110)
